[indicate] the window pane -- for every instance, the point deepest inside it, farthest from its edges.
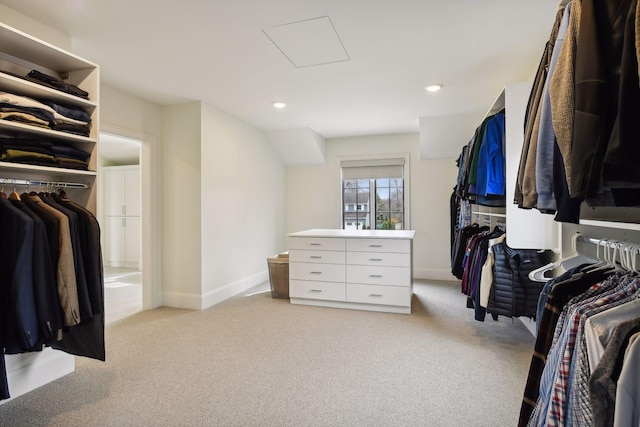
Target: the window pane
(363, 183)
(356, 204)
(382, 199)
(363, 200)
(387, 211)
(397, 199)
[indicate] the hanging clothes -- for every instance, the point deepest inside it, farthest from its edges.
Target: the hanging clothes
(52, 278)
(513, 294)
(567, 383)
(592, 95)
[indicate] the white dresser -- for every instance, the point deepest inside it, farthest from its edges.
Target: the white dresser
(357, 269)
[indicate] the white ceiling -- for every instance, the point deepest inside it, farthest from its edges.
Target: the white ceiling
(236, 55)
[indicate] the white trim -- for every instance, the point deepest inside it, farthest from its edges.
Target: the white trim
(529, 323)
(351, 305)
(181, 300)
(202, 302)
(150, 194)
(218, 295)
(366, 157)
(28, 371)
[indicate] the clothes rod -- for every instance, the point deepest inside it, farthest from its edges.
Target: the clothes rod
(611, 243)
(42, 183)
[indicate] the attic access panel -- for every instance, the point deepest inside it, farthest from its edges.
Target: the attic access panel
(309, 42)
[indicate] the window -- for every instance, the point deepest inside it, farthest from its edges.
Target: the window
(376, 188)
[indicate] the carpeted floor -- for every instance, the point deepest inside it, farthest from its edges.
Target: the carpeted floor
(257, 361)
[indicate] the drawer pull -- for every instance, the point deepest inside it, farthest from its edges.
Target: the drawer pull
(315, 272)
(317, 291)
(375, 246)
(375, 259)
(377, 276)
(375, 295)
(315, 257)
(315, 244)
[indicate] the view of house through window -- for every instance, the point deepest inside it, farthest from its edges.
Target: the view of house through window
(373, 204)
(375, 193)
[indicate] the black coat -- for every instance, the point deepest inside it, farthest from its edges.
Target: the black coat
(512, 293)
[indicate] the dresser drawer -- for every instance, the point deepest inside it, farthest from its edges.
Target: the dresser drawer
(320, 257)
(375, 258)
(317, 243)
(379, 245)
(392, 276)
(317, 272)
(383, 295)
(317, 290)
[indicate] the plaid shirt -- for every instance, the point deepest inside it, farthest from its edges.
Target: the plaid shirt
(579, 409)
(557, 414)
(560, 294)
(554, 356)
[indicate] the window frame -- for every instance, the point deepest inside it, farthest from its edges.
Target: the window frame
(406, 175)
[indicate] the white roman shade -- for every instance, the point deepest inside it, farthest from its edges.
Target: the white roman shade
(372, 169)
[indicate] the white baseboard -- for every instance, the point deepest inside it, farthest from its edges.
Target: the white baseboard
(28, 371)
(201, 302)
(530, 324)
(433, 274)
(181, 300)
(218, 295)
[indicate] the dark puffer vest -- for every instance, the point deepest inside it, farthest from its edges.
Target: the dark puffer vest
(512, 293)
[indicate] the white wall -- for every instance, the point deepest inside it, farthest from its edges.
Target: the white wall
(133, 117)
(223, 205)
(243, 205)
(181, 205)
(313, 196)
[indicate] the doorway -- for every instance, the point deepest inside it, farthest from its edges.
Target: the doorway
(120, 216)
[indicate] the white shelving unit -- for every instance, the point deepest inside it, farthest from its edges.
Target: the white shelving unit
(526, 228)
(19, 54)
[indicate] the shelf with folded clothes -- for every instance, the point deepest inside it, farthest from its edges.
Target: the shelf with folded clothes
(42, 152)
(17, 85)
(33, 68)
(46, 114)
(22, 53)
(9, 127)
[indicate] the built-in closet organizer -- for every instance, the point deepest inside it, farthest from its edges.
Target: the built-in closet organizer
(356, 269)
(20, 54)
(122, 232)
(525, 229)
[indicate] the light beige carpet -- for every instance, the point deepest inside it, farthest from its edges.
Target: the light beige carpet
(258, 361)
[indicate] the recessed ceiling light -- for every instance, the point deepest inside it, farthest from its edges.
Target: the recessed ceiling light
(279, 104)
(433, 88)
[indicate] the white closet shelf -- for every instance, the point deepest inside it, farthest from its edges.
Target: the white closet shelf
(23, 87)
(611, 224)
(21, 129)
(22, 45)
(33, 169)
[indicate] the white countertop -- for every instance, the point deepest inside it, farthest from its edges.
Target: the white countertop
(377, 234)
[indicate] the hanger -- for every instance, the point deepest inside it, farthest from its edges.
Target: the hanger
(14, 194)
(610, 252)
(628, 257)
(567, 263)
